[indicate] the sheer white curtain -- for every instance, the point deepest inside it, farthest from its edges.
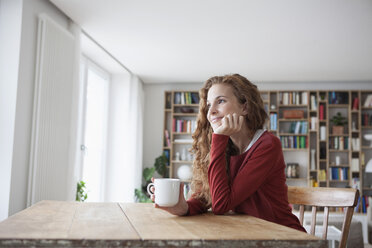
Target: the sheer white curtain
(124, 153)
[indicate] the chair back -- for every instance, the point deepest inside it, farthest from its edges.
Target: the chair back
(346, 198)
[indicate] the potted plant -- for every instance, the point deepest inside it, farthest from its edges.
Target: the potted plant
(338, 122)
(81, 191)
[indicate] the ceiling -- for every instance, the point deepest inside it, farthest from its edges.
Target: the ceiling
(168, 41)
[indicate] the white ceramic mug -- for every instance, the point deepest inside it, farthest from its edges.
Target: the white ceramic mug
(167, 191)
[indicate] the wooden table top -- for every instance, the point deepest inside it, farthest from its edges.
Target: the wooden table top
(74, 224)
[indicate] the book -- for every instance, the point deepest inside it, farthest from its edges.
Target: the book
(321, 112)
(313, 102)
(304, 98)
(313, 122)
(355, 103)
(167, 139)
(368, 101)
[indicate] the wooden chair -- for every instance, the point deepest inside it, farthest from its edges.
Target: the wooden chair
(325, 197)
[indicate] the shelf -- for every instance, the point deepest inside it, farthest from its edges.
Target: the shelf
(182, 143)
(334, 150)
(185, 114)
(366, 147)
(339, 166)
(338, 181)
(295, 149)
(367, 127)
(168, 110)
(296, 179)
(181, 133)
(366, 108)
(186, 105)
(338, 105)
(182, 161)
(291, 120)
(292, 106)
(338, 135)
(292, 134)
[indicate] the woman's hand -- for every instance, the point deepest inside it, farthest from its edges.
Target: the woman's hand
(181, 208)
(230, 124)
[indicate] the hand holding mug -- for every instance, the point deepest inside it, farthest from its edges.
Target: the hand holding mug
(168, 195)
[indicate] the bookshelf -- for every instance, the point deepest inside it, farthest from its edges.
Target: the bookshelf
(180, 112)
(318, 154)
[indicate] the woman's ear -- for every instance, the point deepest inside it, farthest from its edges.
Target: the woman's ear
(245, 108)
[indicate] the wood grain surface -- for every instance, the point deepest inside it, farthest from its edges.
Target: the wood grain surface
(72, 224)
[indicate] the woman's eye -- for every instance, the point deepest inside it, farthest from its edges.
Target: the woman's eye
(208, 106)
(221, 101)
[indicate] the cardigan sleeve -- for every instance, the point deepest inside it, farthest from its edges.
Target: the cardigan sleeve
(250, 177)
(195, 206)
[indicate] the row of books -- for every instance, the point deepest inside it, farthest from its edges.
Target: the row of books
(273, 121)
(188, 126)
(362, 204)
(290, 98)
(186, 98)
(294, 142)
(298, 127)
(339, 143)
(366, 119)
(339, 173)
(338, 97)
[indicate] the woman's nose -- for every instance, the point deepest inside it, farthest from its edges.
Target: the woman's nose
(212, 109)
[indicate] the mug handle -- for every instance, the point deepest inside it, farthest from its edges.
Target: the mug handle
(148, 188)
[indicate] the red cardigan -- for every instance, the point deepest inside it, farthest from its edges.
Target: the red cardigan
(257, 184)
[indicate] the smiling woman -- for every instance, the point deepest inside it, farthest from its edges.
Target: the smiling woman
(238, 166)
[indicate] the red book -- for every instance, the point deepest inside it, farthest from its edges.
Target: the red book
(356, 103)
(174, 125)
(321, 112)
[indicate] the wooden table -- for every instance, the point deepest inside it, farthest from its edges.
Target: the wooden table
(73, 224)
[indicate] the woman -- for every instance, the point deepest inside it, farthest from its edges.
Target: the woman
(238, 166)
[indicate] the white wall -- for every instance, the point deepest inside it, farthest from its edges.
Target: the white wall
(154, 106)
(10, 39)
(24, 100)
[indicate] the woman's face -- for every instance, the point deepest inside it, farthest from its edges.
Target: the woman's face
(222, 101)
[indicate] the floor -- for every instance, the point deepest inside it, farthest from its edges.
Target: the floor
(367, 246)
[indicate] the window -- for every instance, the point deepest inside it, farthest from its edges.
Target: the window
(94, 131)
